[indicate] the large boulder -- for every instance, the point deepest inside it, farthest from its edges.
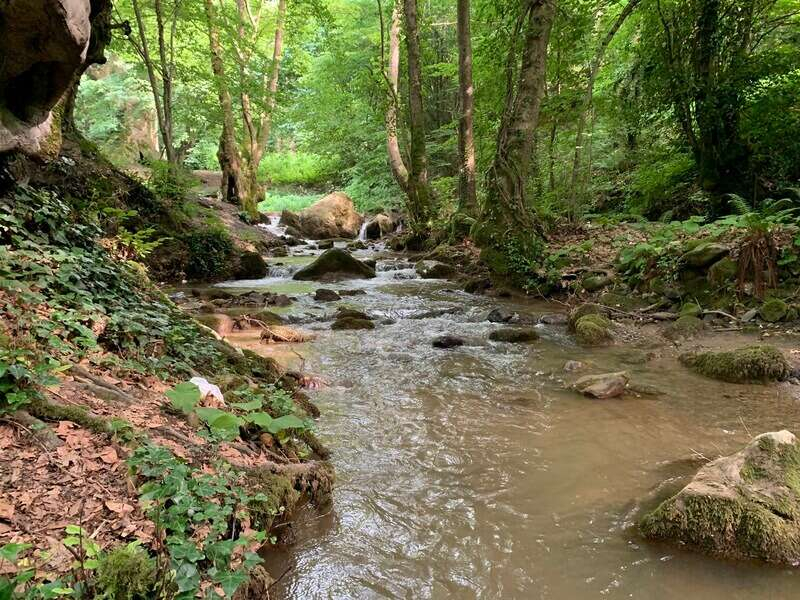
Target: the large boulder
(753, 364)
(432, 269)
(746, 505)
(704, 255)
(379, 226)
(334, 265)
(334, 216)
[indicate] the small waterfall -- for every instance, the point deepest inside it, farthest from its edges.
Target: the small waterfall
(362, 234)
(274, 226)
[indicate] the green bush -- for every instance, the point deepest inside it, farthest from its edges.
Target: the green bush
(126, 573)
(297, 168)
(211, 254)
(656, 183)
(277, 201)
(168, 181)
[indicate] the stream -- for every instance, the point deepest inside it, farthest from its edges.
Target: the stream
(473, 473)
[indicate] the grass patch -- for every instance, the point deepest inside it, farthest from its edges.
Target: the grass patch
(279, 201)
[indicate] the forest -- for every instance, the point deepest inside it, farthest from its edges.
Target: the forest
(399, 299)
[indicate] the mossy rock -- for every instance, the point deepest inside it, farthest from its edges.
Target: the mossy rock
(753, 364)
(352, 323)
(432, 269)
(723, 272)
(596, 282)
(774, 310)
(690, 309)
(685, 327)
(251, 266)
(351, 313)
(704, 255)
(593, 330)
(461, 225)
(333, 265)
(269, 318)
(581, 311)
(222, 324)
(514, 335)
(743, 506)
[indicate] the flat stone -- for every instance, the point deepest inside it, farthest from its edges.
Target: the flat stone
(603, 387)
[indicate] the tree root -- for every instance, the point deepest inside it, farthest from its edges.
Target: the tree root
(38, 429)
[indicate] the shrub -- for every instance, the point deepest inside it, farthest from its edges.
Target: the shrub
(126, 573)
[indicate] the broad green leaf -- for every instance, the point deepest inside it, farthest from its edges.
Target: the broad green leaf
(184, 397)
(285, 422)
(261, 419)
(248, 406)
(9, 552)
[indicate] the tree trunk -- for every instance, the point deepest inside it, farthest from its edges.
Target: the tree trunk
(466, 138)
(231, 188)
(508, 175)
(419, 193)
(587, 101)
(396, 163)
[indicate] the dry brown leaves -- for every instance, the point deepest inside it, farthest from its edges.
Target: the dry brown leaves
(83, 482)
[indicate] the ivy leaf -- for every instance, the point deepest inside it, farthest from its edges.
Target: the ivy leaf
(286, 422)
(184, 397)
(230, 581)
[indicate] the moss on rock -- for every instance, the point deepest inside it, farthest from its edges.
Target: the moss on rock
(593, 330)
(685, 327)
(352, 323)
(690, 309)
(723, 272)
(581, 311)
(742, 506)
(514, 336)
(751, 364)
(774, 310)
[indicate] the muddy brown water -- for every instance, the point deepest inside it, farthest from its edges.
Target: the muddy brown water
(473, 473)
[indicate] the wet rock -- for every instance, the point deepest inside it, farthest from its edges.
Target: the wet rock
(280, 300)
(431, 269)
(593, 330)
(514, 335)
(644, 389)
(573, 365)
(333, 265)
(477, 286)
(664, 316)
(293, 232)
(352, 323)
(324, 244)
(324, 295)
(448, 341)
(583, 310)
(357, 245)
(743, 506)
(251, 265)
(352, 293)
(280, 252)
(500, 315)
(370, 262)
(603, 387)
(379, 226)
(291, 220)
(212, 294)
(774, 310)
(753, 364)
(269, 318)
(221, 324)
(350, 313)
(704, 255)
(554, 319)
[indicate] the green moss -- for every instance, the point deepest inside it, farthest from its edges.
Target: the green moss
(723, 272)
(691, 309)
(593, 330)
(495, 260)
(774, 310)
(583, 310)
(77, 414)
(686, 326)
(126, 573)
(352, 323)
(274, 494)
(751, 364)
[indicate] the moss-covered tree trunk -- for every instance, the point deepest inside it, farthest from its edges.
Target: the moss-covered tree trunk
(506, 210)
(466, 135)
(418, 192)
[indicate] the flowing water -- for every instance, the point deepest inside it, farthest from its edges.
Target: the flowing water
(473, 473)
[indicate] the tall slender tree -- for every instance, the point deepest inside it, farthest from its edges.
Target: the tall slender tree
(466, 126)
(392, 75)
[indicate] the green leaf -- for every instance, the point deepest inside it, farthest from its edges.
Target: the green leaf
(286, 422)
(249, 406)
(9, 552)
(261, 419)
(184, 397)
(221, 422)
(230, 581)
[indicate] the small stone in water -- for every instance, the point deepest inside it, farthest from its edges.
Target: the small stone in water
(448, 341)
(573, 365)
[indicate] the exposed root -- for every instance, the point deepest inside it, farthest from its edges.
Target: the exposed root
(38, 430)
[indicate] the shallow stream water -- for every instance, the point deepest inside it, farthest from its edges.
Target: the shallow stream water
(473, 473)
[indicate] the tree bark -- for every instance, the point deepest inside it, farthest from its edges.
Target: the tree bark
(419, 193)
(508, 175)
(396, 163)
(466, 138)
(594, 70)
(228, 154)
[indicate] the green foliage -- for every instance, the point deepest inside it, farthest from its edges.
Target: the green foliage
(277, 201)
(201, 515)
(297, 168)
(211, 253)
(20, 586)
(22, 373)
(168, 181)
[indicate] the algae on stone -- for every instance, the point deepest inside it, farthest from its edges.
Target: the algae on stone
(593, 330)
(746, 505)
(685, 327)
(750, 364)
(774, 310)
